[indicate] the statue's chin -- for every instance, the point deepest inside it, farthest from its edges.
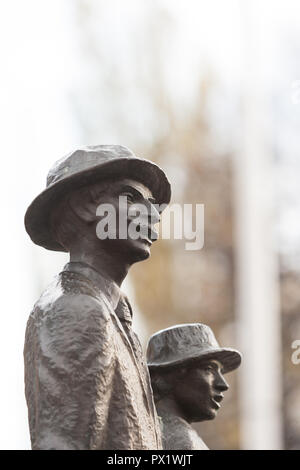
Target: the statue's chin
(128, 251)
(211, 414)
(140, 250)
(208, 415)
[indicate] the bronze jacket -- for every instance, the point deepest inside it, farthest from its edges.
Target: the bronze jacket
(86, 382)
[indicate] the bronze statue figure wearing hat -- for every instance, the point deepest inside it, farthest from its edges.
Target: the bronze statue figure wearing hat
(86, 381)
(186, 366)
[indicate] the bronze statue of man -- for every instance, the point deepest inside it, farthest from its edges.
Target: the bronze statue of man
(186, 366)
(86, 381)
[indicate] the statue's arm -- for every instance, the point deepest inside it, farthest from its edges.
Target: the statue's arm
(68, 385)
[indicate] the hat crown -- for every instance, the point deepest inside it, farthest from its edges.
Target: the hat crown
(86, 158)
(180, 342)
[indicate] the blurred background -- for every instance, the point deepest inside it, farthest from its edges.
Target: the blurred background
(210, 90)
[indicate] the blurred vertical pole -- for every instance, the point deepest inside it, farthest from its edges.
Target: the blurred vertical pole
(257, 273)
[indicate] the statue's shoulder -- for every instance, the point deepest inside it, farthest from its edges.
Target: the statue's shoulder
(70, 297)
(67, 324)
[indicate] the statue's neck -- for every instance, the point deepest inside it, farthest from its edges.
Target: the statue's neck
(104, 263)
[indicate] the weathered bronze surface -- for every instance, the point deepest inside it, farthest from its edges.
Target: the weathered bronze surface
(86, 381)
(186, 366)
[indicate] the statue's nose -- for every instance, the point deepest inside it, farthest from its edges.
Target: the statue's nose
(220, 384)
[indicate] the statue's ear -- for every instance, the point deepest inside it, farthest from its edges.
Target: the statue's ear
(83, 205)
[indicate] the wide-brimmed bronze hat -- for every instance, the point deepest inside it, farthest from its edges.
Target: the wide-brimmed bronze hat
(85, 166)
(187, 344)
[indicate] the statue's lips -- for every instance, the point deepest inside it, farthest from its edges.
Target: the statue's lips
(216, 399)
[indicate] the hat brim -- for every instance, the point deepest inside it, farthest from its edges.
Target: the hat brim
(230, 359)
(37, 217)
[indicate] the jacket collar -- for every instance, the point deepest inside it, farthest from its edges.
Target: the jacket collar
(106, 286)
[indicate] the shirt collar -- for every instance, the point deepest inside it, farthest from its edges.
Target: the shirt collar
(123, 310)
(106, 286)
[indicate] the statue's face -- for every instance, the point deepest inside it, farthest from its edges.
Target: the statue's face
(200, 392)
(140, 230)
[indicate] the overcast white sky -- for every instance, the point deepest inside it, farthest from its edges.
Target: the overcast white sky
(39, 66)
